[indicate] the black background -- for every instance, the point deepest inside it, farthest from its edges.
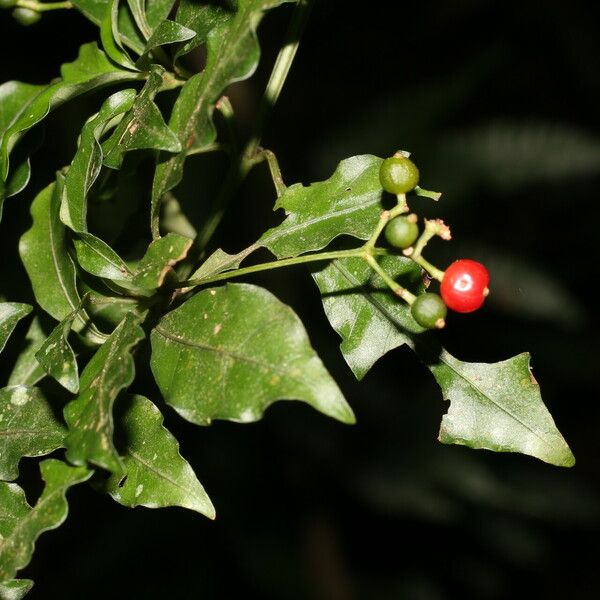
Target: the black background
(498, 104)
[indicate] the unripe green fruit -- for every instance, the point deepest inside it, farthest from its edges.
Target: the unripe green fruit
(7, 3)
(398, 175)
(401, 232)
(25, 16)
(429, 311)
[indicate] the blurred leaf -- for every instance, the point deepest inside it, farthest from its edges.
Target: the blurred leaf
(91, 70)
(89, 416)
(44, 253)
(161, 256)
(230, 352)
(57, 357)
(27, 370)
(349, 202)
(359, 306)
(28, 427)
(111, 38)
(21, 524)
(143, 126)
(15, 589)
(156, 475)
(87, 162)
(10, 314)
(498, 407)
(232, 55)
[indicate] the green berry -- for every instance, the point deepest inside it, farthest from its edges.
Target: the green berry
(398, 175)
(429, 311)
(7, 3)
(25, 16)
(401, 232)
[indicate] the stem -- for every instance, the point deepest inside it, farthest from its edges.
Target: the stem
(385, 217)
(43, 6)
(433, 271)
(275, 170)
(397, 289)
(286, 262)
(226, 109)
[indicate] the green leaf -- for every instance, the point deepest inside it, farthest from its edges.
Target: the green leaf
(167, 32)
(498, 407)
(349, 202)
(161, 256)
(10, 314)
(230, 352)
(16, 589)
(111, 38)
(360, 307)
(143, 127)
(89, 416)
(156, 475)
(28, 427)
(87, 161)
(232, 55)
(220, 261)
(44, 253)
(139, 16)
(98, 258)
(21, 524)
(27, 370)
(92, 70)
(57, 357)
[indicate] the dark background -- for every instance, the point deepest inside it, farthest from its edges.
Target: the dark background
(498, 102)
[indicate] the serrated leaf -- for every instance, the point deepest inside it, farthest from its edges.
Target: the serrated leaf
(92, 70)
(349, 202)
(161, 256)
(111, 37)
(155, 12)
(232, 55)
(498, 407)
(57, 357)
(44, 253)
(16, 589)
(10, 314)
(27, 370)
(230, 352)
(21, 524)
(28, 427)
(89, 416)
(87, 161)
(143, 127)
(156, 475)
(360, 307)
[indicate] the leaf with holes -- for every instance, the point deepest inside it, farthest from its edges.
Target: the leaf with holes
(21, 524)
(156, 475)
(498, 407)
(230, 352)
(89, 416)
(370, 319)
(349, 203)
(28, 427)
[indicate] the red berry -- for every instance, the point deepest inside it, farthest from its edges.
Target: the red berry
(465, 285)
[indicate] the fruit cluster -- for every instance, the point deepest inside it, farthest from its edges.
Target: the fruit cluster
(463, 285)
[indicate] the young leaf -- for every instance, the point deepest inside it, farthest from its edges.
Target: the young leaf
(349, 202)
(57, 357)
(161, 256)
(230, 352)
(156, 475)
(15, 589)
(87, 161)
(143, 127)
(21, 524)
(111, 38)
(28, 427)
(232, 55)
(167, 32)
(498, 407)
(92, 70)
(370, 320)
(44, 253)
(89, 416)
(220, 261)
(10, 314)
(27, 370)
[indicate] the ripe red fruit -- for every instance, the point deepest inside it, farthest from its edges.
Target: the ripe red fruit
(465, 285)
